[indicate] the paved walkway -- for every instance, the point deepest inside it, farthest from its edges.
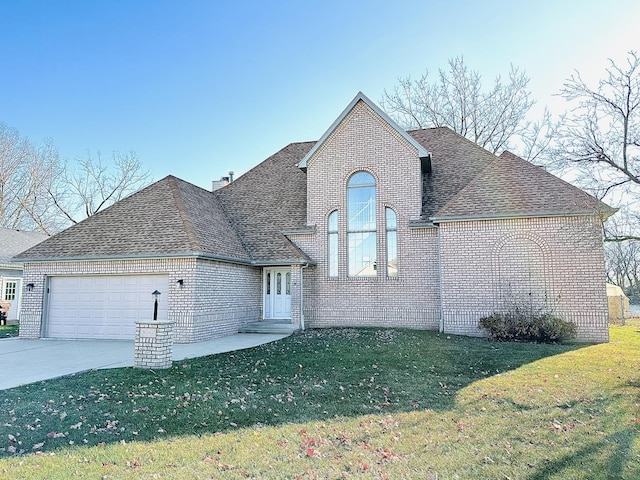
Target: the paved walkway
(27, 361)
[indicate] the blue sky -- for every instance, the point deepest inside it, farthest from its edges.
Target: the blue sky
(198, 88)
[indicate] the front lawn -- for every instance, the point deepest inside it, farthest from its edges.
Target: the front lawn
(7, 331)
(341, 403)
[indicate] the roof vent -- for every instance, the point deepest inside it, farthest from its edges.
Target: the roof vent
(223, 182)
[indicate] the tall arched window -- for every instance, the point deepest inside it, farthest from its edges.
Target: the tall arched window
(332, 244)
(361, 225)
(391, 225)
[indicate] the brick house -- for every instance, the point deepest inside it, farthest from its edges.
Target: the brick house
(369, 226)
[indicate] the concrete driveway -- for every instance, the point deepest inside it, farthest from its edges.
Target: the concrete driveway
(27, 361)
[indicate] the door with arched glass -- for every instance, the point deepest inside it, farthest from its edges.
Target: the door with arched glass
(277, 293)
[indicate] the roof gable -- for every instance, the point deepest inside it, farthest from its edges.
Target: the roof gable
(361, 97)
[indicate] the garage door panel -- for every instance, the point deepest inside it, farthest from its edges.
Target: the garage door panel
(105, 306)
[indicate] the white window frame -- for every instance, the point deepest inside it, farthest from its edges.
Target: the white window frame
(355, 230)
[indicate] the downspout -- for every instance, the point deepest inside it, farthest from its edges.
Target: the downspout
(441, 323)
(302, 295)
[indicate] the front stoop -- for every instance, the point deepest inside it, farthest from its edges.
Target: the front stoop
(269, 326)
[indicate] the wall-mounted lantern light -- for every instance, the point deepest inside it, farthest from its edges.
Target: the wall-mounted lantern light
(180, 283)
(30, 287)
(156, 296)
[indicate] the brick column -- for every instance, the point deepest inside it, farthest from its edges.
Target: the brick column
(154, 344)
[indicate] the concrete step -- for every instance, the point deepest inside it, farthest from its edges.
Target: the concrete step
(268, 326)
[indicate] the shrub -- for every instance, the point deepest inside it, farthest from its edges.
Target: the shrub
(519, 325)
(552, 329)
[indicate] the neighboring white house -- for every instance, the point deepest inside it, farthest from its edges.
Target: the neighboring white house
(13, 242)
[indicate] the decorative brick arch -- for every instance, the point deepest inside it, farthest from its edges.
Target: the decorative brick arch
(522, 272)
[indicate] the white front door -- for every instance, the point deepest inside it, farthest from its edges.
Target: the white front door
(277, 292)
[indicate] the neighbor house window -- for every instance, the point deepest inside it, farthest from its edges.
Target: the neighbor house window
(332, 243)
(392, 242)
(361, 225)
(10, 291)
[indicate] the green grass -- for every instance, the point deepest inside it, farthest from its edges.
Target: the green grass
(349, 403)
(7, 331)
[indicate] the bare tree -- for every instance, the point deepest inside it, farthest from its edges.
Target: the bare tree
(599, 139)
(92, 184)
(26, 175)
(40, 192)
(623, 266)
(494, 118)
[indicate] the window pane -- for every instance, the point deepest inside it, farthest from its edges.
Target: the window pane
(361, 225)
(279, 284)
(391, 219)
(392, 254)
(361, 178)
(333, 255)
(269, 283)
(333, 222)
(10, 291)
(288, 277)
(362, 254)
(362, 209)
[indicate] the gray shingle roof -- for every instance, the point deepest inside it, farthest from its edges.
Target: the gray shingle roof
(510, 186)
(268, 199)
(170, 217)
(13, 242)
(245, 220)
(455, 162)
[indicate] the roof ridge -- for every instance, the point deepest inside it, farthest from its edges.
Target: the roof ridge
(231, 223)
(184, 215)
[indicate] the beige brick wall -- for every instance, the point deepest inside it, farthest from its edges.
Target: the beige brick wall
(227, 297)
(555, 264)
(215, 300)
(364, 142)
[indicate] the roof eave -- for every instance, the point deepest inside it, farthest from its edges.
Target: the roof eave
(422, 152)
(11, 265)
(508, 216)
(283, 263)
(142, 256)
(201, 255)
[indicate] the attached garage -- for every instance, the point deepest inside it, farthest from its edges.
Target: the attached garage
(102, 306)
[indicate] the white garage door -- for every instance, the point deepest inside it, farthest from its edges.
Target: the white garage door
(103, 306)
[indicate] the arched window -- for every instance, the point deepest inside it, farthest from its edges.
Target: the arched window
(391, 224)
(332, 244)
(361, 225)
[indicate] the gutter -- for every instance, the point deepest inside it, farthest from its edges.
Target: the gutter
(206, 256)
(302, 295)
(441, 320)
